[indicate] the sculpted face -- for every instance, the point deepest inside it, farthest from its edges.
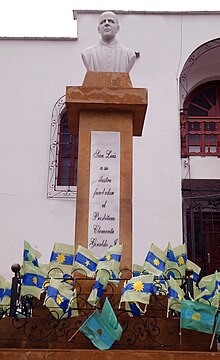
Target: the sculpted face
(108, 25)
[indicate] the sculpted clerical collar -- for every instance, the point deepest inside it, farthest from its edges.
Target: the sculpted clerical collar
(113, 42)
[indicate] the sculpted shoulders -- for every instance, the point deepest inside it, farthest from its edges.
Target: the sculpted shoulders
(89, 50)
(128, 51)
(94, 56)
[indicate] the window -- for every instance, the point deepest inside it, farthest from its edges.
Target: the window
(200, 122)
(67, 154)
(62, 174)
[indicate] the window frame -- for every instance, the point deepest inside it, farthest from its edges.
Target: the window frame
(54, 188)
(205, 123)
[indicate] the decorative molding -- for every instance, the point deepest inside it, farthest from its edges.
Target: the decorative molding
(184, 76)
(54, 191)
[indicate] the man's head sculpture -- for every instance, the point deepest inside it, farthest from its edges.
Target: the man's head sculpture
(108, 26)
(108, 55)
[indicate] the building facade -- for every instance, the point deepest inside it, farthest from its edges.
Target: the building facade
(176, 168)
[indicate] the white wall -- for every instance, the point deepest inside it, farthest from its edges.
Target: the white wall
(34, 75)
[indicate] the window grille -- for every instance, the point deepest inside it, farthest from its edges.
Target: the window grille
(62, 174)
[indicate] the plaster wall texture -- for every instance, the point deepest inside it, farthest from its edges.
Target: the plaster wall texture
(34, 75)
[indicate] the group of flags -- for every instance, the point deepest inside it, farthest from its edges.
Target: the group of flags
(162, 271)
(57, 281)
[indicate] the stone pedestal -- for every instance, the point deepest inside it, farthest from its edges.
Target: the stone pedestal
(106, 102)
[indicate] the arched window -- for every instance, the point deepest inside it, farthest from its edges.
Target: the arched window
(67, 154)
(63, 159)
(200, 122)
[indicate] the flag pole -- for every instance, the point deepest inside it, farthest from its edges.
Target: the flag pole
(180, 334)
(75, 333)
(213, 336)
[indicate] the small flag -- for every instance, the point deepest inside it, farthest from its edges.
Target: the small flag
(62, 258)
(103, 329)
(137, 270)
(114, 278)
(133, 309)
(180, 254)
(30, 255)
(196, 270)
(210, 289)
(85, 262)
(110, 260)
(159, 285)
(171, 267)
(155, 261)
(170, 257)
(102, 279)
(208, 282)
(138, 289)
(5, 293)
(32, 281)
(68, 279)
(72, 309)
(197, 316)
(175, 295)
(58, 299)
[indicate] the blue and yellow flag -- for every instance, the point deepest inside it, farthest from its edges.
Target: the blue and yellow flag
(210, 289)
(197, 316)
(137, 270)
(85, 262)
(176, 259)
(133, 309)
(180, 254)
(110, 261)
(5, 293)
(196, 270)
(102, 279)
(138, 289)
(60, 298)
(208, 283)
(103, 329)
(32, 281)
(61, 259)
(171, 267)
(68, 279)
(175, 295)
(30, 255)
(195, 278)
(155, 261)
(216, 298)
(72, 309)
(159, 285)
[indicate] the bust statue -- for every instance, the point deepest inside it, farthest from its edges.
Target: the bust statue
(108, 55)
